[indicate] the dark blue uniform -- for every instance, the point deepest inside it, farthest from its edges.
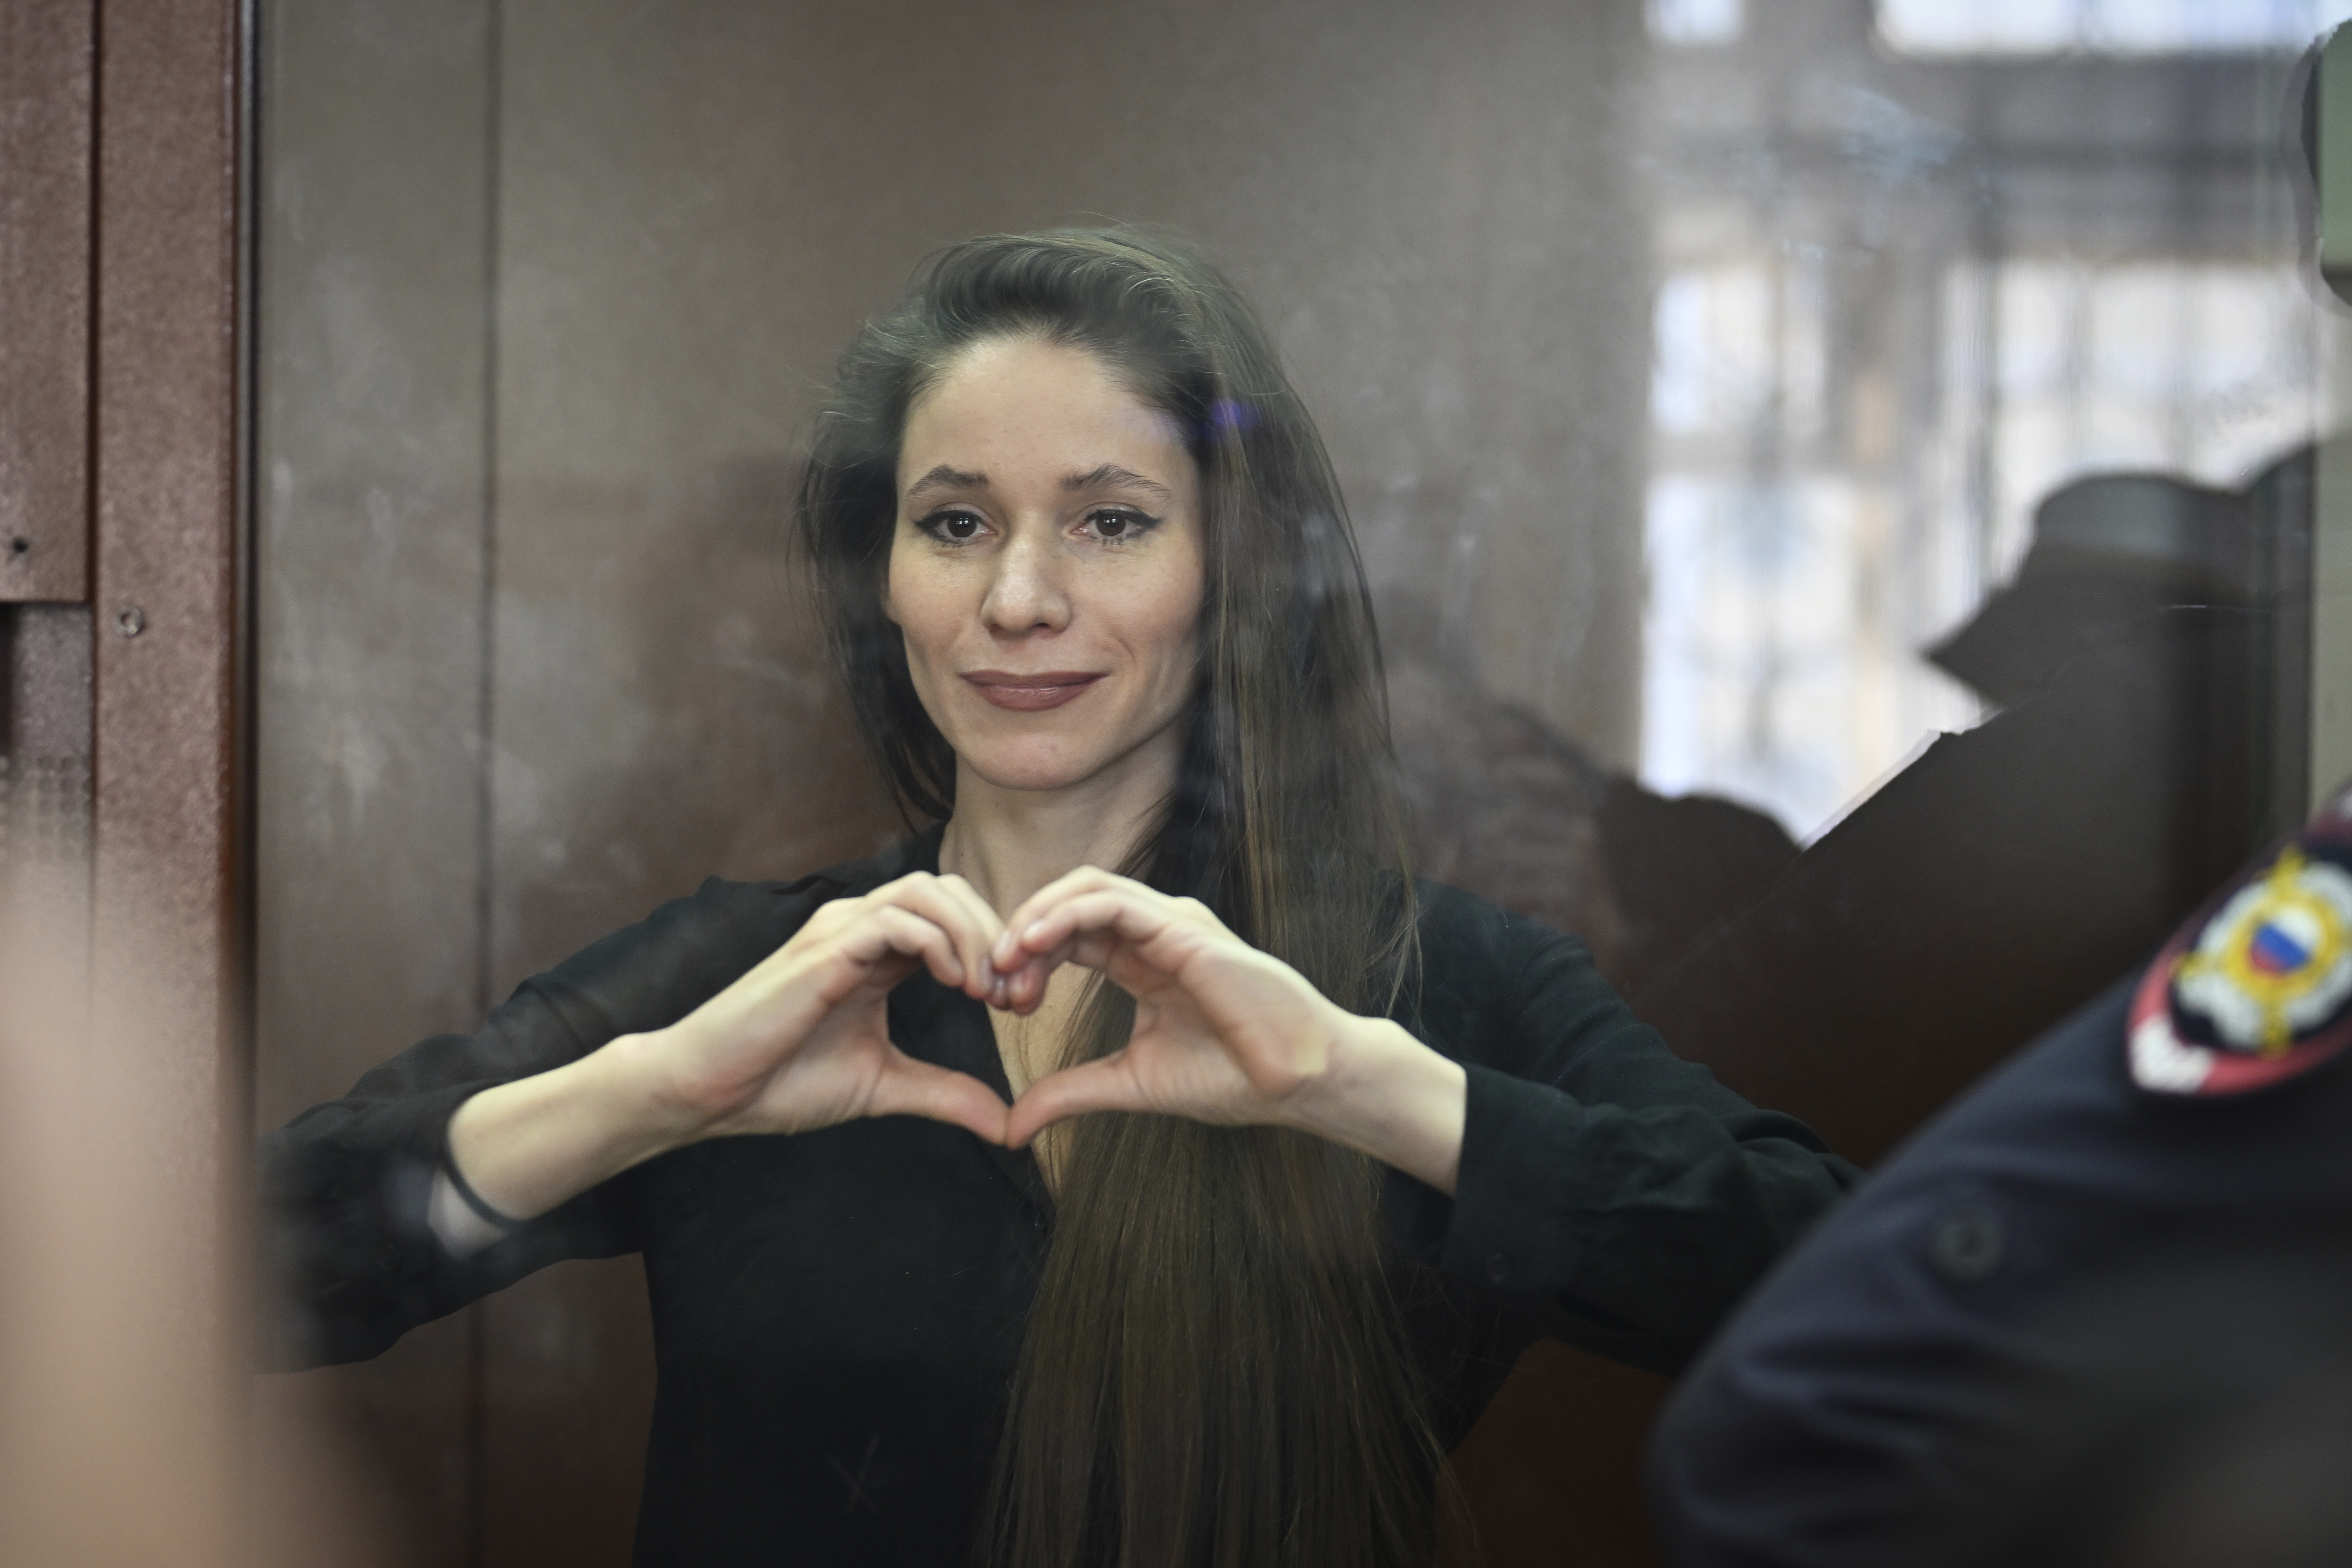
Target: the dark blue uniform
(1846, 1413)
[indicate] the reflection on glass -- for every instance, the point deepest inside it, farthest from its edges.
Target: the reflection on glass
(1731, 399)
(1898, 307)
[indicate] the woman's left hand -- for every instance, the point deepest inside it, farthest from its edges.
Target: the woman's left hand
(1224, 1032)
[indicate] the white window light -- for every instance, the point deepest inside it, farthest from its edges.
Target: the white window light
(1697, 21)
(1966, 28)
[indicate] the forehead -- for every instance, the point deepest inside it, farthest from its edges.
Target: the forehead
(1006, 404)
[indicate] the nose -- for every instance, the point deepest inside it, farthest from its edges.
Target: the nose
(1026, 593)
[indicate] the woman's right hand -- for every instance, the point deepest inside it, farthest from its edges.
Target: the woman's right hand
(800, 1041)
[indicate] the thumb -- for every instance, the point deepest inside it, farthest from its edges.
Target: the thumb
(1101, 1085)
(910, 1088)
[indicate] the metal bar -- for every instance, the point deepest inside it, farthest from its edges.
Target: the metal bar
(45, 168)
(168, 916)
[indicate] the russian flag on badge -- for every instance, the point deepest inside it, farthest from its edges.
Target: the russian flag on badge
(2259, 988)
(2273, 950)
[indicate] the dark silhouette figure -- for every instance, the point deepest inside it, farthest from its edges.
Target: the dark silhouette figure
(2150, 739)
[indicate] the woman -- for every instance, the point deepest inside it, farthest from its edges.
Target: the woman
(1086, 572)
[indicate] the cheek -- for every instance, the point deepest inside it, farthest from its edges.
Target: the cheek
(1170, 620)
(911, 600)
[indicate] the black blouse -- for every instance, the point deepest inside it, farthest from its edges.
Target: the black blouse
(837, 1313)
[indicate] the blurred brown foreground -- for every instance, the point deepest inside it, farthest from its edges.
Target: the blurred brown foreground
(129, 1432)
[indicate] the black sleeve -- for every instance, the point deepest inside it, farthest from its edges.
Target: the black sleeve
(348, 1261)
(1617, 1195)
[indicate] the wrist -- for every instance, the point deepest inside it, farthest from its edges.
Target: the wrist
(525, 1146)
(647, 1107)
(1384, 1093)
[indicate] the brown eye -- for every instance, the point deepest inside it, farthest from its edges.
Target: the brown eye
(1119, 526)
(951, 527)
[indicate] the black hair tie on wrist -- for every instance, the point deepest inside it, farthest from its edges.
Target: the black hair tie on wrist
(475, 1200)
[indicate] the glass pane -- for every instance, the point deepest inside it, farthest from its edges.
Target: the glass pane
(1834, 484)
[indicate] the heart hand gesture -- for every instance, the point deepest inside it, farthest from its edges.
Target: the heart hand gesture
(1224, 1032)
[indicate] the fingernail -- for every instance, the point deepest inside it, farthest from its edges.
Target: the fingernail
(1031, 934)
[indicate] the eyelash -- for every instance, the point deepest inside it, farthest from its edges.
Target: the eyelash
(935, 523)
(1139, 524)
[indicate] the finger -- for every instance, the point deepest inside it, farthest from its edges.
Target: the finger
(1025, 987)
(910, 1088)
(1131, 914)
(1198, 914)
(952, 905)
(965, 918)
(975, 934)
(1070, 885)
(923, 894)
(1104, 1084)
(1108, 950)
(888, 931)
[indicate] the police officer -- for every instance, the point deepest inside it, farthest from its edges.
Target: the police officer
(2131, 1236)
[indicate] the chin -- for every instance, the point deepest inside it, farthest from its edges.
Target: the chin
(1031, 772)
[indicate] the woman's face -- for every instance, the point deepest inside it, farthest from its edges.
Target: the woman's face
(1046, 567)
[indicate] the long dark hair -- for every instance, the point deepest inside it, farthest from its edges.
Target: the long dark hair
(1215, 1369)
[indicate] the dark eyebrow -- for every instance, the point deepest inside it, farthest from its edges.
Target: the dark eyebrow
(945, 478)
(1111, 475)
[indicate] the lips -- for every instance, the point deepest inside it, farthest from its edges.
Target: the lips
(1031, 693)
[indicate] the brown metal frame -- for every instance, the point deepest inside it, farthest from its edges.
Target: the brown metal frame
(169, 845)
(46, 70)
